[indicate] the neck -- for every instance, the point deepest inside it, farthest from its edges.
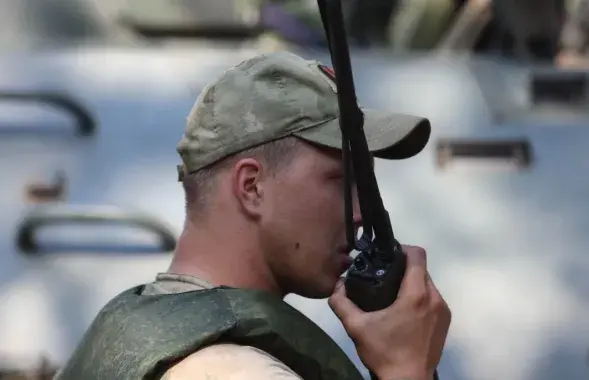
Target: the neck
(223, 257)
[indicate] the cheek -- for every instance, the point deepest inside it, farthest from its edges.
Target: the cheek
(311, 224)
(309, 213)
(322, 221)
(320, 204)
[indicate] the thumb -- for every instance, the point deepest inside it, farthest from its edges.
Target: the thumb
(341, 305)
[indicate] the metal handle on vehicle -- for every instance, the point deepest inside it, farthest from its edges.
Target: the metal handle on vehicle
(86, 126)
(562, 88)
(55, 215)
(518, 152)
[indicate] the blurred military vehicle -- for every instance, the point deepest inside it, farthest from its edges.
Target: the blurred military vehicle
(93, 99)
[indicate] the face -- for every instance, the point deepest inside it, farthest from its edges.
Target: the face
(302, 227)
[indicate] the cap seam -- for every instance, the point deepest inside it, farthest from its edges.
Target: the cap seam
(258, 143)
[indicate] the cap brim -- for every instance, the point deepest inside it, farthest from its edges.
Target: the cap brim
(389, 135)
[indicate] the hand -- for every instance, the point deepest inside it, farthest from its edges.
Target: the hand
(479, 4)
(571, 60)
(406, 339)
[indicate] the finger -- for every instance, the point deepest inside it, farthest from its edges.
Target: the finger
(341, 305)
(415, 280)
(432, 288)
(434, 293)
(430, 282)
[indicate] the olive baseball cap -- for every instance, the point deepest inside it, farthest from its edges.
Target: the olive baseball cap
(281, 94)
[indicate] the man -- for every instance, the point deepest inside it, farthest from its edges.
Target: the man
(520, 29)
(264, 218)
(465, 28)
(420, 25)
(574, 38)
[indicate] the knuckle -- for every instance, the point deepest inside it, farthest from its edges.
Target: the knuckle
(447, 310)
(332, 302)
(421, 253)
(354, 325)
(416, 251)
(441, 307)
(448, 315)
(417, 298)
(337, 310)
(437, 301)
(437, 304)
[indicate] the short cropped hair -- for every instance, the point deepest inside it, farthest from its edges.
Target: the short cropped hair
(198, 186)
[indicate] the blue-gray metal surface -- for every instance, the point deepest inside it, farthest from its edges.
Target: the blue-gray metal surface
(507, 248)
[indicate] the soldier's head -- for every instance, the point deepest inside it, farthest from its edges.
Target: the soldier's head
(262, 169)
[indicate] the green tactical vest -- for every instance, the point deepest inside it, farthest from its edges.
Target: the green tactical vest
(139, 336)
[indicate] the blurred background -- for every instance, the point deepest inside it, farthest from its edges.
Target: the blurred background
(93, 100)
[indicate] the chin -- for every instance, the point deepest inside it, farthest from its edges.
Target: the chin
(318, 290)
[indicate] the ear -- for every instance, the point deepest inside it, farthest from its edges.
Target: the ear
(247, 179)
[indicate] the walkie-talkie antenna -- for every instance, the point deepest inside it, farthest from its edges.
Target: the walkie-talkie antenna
(374, 215)
(375, 278)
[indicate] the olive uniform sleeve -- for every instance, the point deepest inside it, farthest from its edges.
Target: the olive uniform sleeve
(230, 362)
